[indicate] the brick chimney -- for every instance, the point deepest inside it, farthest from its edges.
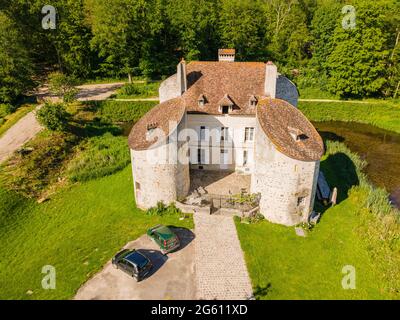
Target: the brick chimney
(271, 75)
(226, 55)
(181, 77)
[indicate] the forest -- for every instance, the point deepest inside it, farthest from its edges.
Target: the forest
(349, 48)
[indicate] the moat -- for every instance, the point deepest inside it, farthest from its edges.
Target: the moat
(380, 148)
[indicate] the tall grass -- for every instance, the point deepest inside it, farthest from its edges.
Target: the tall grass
(376, 199)
(384, 114)
(138, 90)
(99, 157)
(122, 111)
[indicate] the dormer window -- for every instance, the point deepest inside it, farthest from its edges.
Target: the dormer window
(201, 100)
(226, 104)
(297, 135)
(253, 101)
(151, 127)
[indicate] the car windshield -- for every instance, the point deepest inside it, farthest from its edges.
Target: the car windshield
(137, 259)
(165, 233)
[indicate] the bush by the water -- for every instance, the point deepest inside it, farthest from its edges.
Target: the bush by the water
(122, 111)
(38, 165)
(98, 157)
(53, 116)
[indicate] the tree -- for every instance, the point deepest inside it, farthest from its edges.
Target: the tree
(63, 86)
(325, 20)
(242, 26)
(357, 64)
(54, 117)
(15, 64)
(121, 32)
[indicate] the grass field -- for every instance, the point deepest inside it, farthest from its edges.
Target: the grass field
(383, 114)
(77, 232)
(15, 117)
(286, 266)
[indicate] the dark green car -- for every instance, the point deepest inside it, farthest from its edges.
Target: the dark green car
(164, 237)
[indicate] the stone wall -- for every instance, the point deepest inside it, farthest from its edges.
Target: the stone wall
(287, 186)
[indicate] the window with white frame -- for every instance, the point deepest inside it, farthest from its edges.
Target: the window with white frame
(248, 134)
(201, 156)
(224, 134)
(202, 133)
(245, 156)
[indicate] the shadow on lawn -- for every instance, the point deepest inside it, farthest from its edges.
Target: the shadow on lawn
(93, 128)
(262, 291)
(340, 172)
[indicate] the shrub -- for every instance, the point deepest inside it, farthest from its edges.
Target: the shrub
(29, 173)
(6, 109)
(143, 90)
(161, 210)
(63, 86)
(53, 116)
(98, 157)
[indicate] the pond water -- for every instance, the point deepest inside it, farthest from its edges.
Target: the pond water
(380, 148)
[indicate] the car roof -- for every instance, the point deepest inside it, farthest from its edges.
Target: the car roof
(164, 232)
(136, 258)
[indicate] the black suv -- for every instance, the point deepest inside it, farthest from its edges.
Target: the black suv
(134, 263)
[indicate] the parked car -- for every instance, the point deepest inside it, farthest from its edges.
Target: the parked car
(164, 237)
(133, 262)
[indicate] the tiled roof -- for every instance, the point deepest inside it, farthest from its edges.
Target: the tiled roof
(289, 130)
(226, 101)
(239, 80)
(160, 117)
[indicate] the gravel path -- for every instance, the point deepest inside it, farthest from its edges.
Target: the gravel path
(20, 133)
(221, 271)
(26, 128)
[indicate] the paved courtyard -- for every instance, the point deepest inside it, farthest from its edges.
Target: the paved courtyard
(172, 277)
(219, 182)
(221, 271)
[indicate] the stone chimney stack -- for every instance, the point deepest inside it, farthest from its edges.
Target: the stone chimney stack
(271, 76)
(181, 77)
(226, 55)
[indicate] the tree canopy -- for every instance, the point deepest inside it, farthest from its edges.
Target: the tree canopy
(99, 38)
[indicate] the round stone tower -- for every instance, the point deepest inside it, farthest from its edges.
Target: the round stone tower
(287, 154)
(160, 163)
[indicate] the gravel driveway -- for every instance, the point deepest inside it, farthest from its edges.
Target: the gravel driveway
(172, 277)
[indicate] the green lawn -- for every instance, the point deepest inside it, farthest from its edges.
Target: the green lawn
(383, 114)
(285, 266)
(15, 117)
(77, 232)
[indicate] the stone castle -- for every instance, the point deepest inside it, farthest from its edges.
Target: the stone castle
(234, 116)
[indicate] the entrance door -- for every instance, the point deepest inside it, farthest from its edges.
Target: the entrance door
(224, 161)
